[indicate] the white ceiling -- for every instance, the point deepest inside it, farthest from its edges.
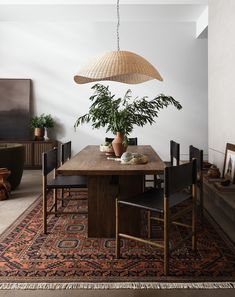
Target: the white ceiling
(101, 10)
(123, 2)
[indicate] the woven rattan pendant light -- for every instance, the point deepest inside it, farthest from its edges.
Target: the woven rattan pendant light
(122, 66)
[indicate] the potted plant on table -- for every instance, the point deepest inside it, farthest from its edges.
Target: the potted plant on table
(40, 125)
(121, 114)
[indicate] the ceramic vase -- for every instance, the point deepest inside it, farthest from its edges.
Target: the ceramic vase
(118, 146)
(45, 134)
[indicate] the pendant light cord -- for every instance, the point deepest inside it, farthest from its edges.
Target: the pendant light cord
(118, 26)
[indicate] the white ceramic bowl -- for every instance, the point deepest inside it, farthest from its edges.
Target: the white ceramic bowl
(108, 149)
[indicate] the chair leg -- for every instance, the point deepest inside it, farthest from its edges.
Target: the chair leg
(68, 192)
(117, 230)
(201, 203)
(155, 181)
(44, 216)
(55, 200)
(62, 197)
(149, 224)
(166, 236)
(44, 208)
(194, 216)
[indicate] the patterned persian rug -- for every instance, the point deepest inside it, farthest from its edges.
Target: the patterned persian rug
(65, 258)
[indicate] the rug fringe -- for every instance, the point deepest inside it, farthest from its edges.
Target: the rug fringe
(117, 285)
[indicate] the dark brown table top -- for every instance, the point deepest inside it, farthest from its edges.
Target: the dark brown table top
(90, 161)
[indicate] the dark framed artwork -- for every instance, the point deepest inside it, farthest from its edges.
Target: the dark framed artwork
(14, 109)
(229, 163)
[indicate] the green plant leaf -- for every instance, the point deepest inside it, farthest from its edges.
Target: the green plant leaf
(120, 115)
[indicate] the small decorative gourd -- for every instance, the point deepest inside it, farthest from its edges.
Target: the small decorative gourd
(213, 172)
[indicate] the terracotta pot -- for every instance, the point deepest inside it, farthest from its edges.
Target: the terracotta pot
(39, 133)
(118, 146)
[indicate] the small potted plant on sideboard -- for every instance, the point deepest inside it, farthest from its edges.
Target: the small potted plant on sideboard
(40, 124)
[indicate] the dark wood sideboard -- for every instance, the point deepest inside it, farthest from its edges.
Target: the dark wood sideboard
(221, 206)
(33, 151)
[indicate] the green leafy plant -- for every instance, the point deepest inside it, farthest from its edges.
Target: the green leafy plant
(120, 115)
(42, 121)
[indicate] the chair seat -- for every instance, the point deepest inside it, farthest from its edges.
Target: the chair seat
(153, 200)
(68, 182)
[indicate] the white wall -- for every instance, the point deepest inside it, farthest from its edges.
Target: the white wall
(221, 78)
(50, 53)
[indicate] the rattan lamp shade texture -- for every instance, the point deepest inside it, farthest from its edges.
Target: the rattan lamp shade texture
(121, 66)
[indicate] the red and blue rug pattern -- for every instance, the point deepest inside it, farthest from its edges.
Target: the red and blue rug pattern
(65, 254)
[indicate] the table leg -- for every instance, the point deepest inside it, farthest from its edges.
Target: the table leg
(102, 191)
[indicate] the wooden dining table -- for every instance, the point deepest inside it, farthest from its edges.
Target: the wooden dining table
(108, 179)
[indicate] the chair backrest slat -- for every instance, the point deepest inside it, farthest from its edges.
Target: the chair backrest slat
(195, 153)
(174, 152)
(108, 139)
(179, 177)
(65, 152)
(49, 161)
(131, 141)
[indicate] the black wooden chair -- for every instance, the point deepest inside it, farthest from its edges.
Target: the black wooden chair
(157, 180)
(174, 154)
(56, 182)
(131, 141)
(66, 152)
(195, 153)
(179, 186)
